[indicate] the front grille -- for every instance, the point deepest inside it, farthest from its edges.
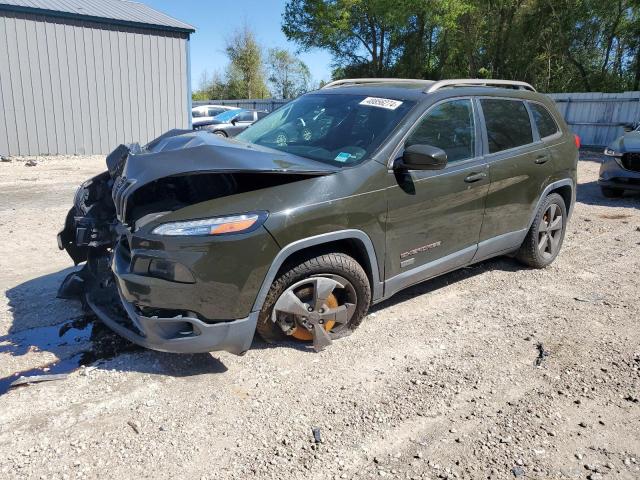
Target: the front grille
(631, 161)
(119, 194)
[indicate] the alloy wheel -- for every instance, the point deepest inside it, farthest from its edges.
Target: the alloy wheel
(550, 231)
(313, 307)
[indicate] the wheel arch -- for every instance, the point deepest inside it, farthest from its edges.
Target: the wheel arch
(565, 188)
(355, 243)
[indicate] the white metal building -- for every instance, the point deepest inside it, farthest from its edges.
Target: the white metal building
(83, 76)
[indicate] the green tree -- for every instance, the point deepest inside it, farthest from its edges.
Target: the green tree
(245, 74)
(558, 45)
(288, 75)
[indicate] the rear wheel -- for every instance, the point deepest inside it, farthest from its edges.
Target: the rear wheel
(544, 239)
(220, 133)
(320, 299)
(610, 192)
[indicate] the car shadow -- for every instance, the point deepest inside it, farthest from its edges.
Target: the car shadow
(590, 194)
(41, 322)
(505, 264)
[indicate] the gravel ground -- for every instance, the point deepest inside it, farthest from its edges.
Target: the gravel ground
(440, 381)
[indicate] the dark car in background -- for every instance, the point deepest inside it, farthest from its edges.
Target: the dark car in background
(621, 169)
(231, 123)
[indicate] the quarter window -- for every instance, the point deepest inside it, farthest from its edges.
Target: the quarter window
(448, 126)
(508, 124)
(544, 121)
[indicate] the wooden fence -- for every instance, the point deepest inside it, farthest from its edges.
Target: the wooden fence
(597, 117)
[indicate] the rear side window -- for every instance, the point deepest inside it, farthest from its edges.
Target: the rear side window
(508, 124)
(544, 121)
(448, 126)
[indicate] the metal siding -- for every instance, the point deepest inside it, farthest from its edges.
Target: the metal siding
(76, 87)
(162, 84)
(10, 126)
(65, 119)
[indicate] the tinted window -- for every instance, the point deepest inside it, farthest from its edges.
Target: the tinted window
(544, 121)
(508, 124)
(448, 126)
(245, 117)
(262, 115)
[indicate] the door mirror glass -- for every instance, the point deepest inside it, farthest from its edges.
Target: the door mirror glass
(423, 157)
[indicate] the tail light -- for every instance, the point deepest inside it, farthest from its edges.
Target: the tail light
(576, 139)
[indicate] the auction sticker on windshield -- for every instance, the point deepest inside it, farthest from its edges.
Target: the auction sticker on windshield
(381, 103)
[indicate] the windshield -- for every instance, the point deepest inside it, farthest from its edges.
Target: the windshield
(228, 115)
(337, 129)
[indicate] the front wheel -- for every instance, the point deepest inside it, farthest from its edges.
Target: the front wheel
(320, 299)
(544, 239)
(220, 133)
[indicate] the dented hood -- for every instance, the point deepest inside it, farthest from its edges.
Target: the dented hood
(179, 153)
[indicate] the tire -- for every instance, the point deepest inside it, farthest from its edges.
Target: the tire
(329, 265)
(220, 133)
(530, 252)
(610, 192)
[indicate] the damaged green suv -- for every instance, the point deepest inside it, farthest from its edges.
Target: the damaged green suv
(335, 201)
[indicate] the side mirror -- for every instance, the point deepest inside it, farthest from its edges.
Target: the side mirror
(423, 157)
(233, 121)
(628, 127)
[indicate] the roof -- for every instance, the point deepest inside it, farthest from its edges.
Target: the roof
(105, 11)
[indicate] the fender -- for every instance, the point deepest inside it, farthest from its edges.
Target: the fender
(298, 245)
(566, 182)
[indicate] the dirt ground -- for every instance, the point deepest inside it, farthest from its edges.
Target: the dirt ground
(438, 382)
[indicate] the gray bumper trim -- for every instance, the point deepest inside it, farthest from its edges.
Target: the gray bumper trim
(163, 334)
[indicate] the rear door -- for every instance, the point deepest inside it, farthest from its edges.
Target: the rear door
(434, 217)
(519, 168)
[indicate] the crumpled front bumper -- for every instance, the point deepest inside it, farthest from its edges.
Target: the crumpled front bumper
(177, 334)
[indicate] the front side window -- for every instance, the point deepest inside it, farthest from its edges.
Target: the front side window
(228, 115)
(544, 121)
(338, 129)
(508, 124)
(245, 117)
(448, 126)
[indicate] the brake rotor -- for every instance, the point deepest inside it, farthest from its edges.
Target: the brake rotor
(301, 333)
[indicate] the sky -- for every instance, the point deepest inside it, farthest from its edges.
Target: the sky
(215, 21)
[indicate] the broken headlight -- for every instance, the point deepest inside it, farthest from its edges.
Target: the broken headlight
(213, 226)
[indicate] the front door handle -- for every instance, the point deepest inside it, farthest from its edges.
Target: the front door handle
(542, 159)
(474, 177)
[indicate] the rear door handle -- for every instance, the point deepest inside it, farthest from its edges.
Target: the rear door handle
(474, 177)
(542, 159)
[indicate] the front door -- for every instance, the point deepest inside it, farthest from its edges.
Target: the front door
(242, 122)
(434, 217)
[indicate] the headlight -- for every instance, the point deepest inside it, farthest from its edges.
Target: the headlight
(213, 226)
(610, 152)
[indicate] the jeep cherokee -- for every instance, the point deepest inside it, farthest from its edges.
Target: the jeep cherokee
(334, 202)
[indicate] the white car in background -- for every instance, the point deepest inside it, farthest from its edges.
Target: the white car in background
(203, 114)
